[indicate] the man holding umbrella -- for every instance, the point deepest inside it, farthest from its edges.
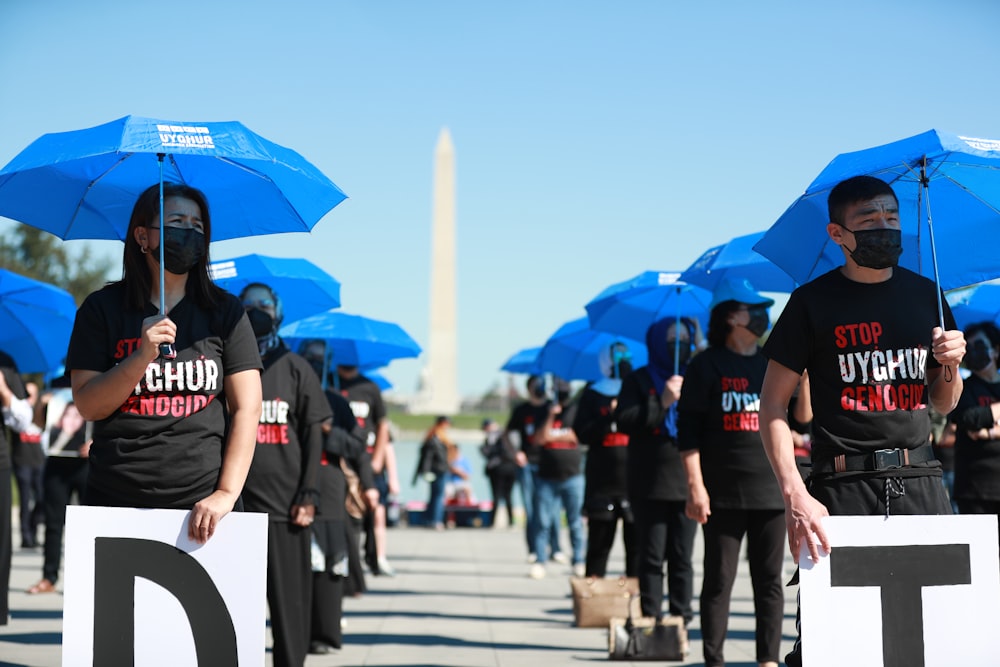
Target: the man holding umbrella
(869, 334)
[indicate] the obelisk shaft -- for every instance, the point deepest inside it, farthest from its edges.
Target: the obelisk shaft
(442, 367)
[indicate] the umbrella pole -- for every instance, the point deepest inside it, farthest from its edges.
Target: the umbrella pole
(166, 349)
(677, 335)
(326, 365)
(925, 187)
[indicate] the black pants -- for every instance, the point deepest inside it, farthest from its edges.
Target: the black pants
(502, 490)
(63, 476)
(289, 591)
(665, 534)
(327, 608)
(355, 582)
(30, 493)
(765, 531)
(6, 543)
(600, 540)
(847, 494)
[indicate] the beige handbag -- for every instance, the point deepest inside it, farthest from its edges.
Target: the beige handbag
(597, 599)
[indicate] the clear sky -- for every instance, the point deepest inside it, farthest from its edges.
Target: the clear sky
(594, 140)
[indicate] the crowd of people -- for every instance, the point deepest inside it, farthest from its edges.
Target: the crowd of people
(715, 430)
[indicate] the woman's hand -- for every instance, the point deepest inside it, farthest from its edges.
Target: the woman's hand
(303, 515)
(207, 513)
(156, 330)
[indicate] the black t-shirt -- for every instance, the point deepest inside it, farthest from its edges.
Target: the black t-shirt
(866, 347)
(607, 447)
(286, 460)
(365, 399)
(9, 369)
(977, 462)
(655, 469)
(163, 447)
(527, 419)
(560, 457)
(718, 415)
(345, 442)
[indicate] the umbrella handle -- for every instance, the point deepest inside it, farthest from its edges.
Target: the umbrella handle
(167, 350)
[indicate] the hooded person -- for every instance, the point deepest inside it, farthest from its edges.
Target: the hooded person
(606, 487)
(657, 484)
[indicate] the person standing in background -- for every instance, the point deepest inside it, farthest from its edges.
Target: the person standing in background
(283, 479)
(501, 469)
(606, 493)
(11, 388)
(28, 459)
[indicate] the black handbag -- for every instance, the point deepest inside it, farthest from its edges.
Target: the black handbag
(646, 638)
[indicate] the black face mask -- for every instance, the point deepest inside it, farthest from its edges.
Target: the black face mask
(182, 249)
(759, 321)
(562, 397)
(978, 356)
(624, 368)
(877, 248)
(538, 390)
(317, 366)
(683, 352)
(262, 323)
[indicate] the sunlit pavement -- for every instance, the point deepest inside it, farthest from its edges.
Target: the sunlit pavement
(461, 598)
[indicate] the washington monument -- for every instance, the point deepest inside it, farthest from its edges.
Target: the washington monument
(439, 378)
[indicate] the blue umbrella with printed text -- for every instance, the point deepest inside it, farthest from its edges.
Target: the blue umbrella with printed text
(304, 288)
(83, 184)
(948, 187)
(36, 320)
(980, 303)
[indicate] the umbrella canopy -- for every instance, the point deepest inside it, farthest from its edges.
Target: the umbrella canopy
(36, 320)
(573, 351)
(975, 304)
(955, 178)
(628, 308)
(353, 340)
(304, 288)
(82, 184)
(737, 260)
(523, 361)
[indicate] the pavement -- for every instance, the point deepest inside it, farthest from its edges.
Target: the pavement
(461, 597)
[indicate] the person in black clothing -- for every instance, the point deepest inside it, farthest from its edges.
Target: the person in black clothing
(524, 423)
(175, 430)
(731, 489)
(344, 445)
(977, 436)
(501, 469)
(28, 459)
(283, 479)
(432, 467)
(12, 387)
(869, 335)
(605, 498)
(657, 485)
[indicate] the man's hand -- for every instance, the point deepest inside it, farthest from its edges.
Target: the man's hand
(698, 506)
(803, 515)
(671, 390)
(948, 347)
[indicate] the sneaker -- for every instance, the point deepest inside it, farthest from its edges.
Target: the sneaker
(384, 568)
(532, 558)
(537, 571)
(579, 570)
(320, 648)
(560, 557)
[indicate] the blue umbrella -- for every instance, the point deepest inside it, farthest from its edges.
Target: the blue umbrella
(379, 379)
(304, 288)
(523, 361)
(36, 320)
(353, 340)
(573, 351)
(737, 259)
(82, 184)
(939, 178)
(980, 303)
(628, 308)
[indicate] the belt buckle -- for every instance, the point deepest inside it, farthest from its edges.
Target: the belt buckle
(887, 459)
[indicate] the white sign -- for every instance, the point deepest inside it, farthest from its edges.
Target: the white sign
(907, 591)
(136, 586)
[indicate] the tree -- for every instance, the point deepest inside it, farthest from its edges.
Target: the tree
(43, 256)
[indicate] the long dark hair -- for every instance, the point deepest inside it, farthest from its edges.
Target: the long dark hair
(135, 272)
(718, 322)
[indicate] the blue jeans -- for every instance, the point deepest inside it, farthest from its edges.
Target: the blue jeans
(548, 494)
(435, 505)
(528, 476)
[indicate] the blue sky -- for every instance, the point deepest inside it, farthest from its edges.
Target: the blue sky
(594, 140)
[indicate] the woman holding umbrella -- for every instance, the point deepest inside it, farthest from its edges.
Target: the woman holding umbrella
(161, 437)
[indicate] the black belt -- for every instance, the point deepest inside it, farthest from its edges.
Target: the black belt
(881, 459)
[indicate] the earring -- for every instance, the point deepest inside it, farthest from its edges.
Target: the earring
(144, 249)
